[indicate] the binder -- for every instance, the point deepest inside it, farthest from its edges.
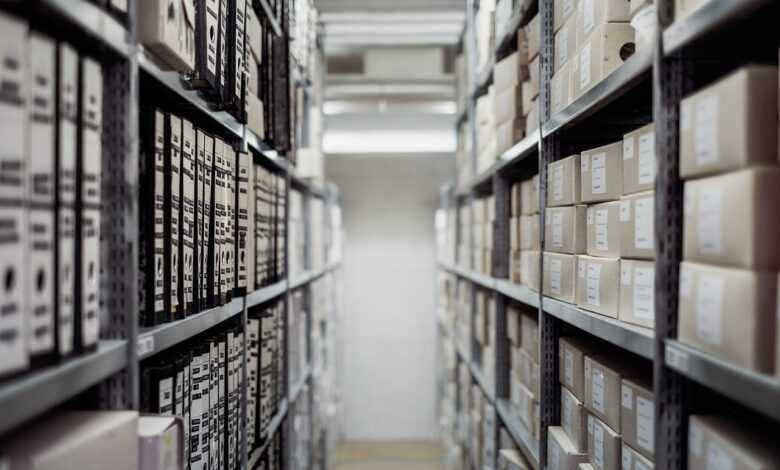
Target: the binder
(88, 186)
(222, 55)
(41, 197)
(229, 245)
(214, 429)
(229, 393)
(158, 387)
(207, 229)
(13, 224)
(280, 221)
(66, 137)
(151, 262)
(219, 222)
(249, 262)
(207, 48)
(233, 90)
(241, 202)
(186, 361)
(253, 358)
(205, 401)
(187, 218)
(199, 368)
(172, 208)
(178, 396)
(222, 399)
(239, 377)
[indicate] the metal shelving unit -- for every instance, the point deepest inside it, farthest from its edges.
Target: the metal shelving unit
(687, 54)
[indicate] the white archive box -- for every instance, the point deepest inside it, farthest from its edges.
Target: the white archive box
(41, 302)
(206, 204)
(604, 230)
(639, 160)
(168, 29)
(13, 114)
(606, 49)
(565, 44)
(598, 284)
(218, 215)
(172, 213)
(244, 165)
(161, 443)
(601, 173)
(637, 225)
(637, 292)
(65, 259)
(593, 13)
(229, 220)
(187, 222)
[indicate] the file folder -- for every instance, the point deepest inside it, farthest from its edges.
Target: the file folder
(187, 218)
(172, 208)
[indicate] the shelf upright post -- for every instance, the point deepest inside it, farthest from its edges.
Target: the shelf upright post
(501, 256)
(671, 81)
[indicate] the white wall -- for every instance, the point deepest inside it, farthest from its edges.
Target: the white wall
(389, 293)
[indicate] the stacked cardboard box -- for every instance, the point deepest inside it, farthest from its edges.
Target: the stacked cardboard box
(512, 459)
(524, 388)
(484, 216)
(484, 327)
(508, 76)
(715, 441)
(524, 242)
(463, 312)
(592, 39)
(529, 41)
(464, 226)
(728, 159)
(607, 410)
(486, 130)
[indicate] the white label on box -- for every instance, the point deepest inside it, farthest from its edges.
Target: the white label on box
(626, 397)
(590, 216)
(598, 447)
(581, 269)
(588, 15)
(625, 273)
(585, 163)
(710, 202)
(709, 303)
(165, 397)
(628, 148)
(718, 458)
(590, 424)
(602, 230)
(568, 7)
(560, 47)
(555, 456)
(597, 385)
(689, 202)
(685, 116)
(706, 132)
(568, 368)
(646, 158)
(625, 211)
(592, 285)
(645, 430)
(585, 66)
(557, 229)
(555, 276)
(558, 183)
(598, 175)
(644, 224)
(695, 439)
(625, 460)
(686, 283)
(567, 411)
(644, 293)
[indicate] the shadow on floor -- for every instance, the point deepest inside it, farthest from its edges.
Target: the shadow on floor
(389, 455)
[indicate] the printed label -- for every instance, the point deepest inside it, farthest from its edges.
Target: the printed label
(581, 269)
(585, 66)
(710, 202)
(602, 229)
(597, 384)
(686, 282)
(626, 397)
(718, 458)
(588, 15)
(647, 158)
(625, 273)
(625, 460)
(628, 148)
(625, 211)
(568, 368)
(695, 439)
(706, 132)
(558, 183)
(557, 229)
(567, 411)
(560, 48)
(644, 224)
(593, 291)
(590, 216)
(590, 424)
(709, 302)
(598, 446)
(568, 7)
(644, 293)
(645, 431)
(598, 175)
(555, 276)
(585, 163)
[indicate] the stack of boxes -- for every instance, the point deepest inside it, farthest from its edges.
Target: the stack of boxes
(728, 277)
(463, 311)
(464, 226)
(528, 40)
(607, 410)
(714, 441)
(524, 388)
(483, 422)
(524, 243)
(482, 234)
(484, 326)
(599, 229)
(592, 39)
(486, 130)
(508, 76)
(512, 459)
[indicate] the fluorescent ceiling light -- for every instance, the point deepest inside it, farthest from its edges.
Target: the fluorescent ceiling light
(333, 107)
(385, 142)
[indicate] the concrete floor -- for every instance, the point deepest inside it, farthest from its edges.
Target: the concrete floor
(389, 455)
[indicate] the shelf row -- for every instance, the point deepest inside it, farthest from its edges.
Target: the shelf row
(758, 391)
(519, 152)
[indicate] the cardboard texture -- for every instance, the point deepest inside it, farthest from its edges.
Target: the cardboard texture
(607, 48)
(574, 420)
(639, 160)
(603, 445)
(565, 44)
(604, 230)
(559, 272)
(561, 452)
(716, 442)
(529, 269)
(510, 71)
(593, 13)
(565, 229)
(529, 198)
(637, 415)
(637, 226)
(529, 330)
(601, 173)
(598, 284)
(167, 28)
(529, 232)
(571, 356)
(633, 460)
(604, 375)
(561, 89)
(562, 11)
(563, 187)
(533, 33)
(637, 292)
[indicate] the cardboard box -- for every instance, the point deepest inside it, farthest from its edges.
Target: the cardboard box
(530, 196)
(593, 13)
(529, 269)
(603, 445)
(563, 188)
(533, 33)
(515, 271)
(607, 48)
(516, 199)
(168, 30)
(509, 133)
(533, 78)
(161, 442)
(604, 230)
(76, 440)
(639, 160)
(574, 420)
(561, 452)
(508, 105)
(565, 44)
(637, 415)
(633, 460)
(562, 11)
(561, 89)
(525, 401)
(637, 292)
(510, 72)
(729, 124)
(571, 357)
(528, 372)
(255, 115)
(601, 173)
(529, 330)
(513, 325)
(586, 466)
(729, 313)
(529, 94)
(559, 272)
(510, 459)
(598, 285)
(637, 225)
(529, 232)
(532, 119)
(716, 442)
(635, 5)
(566, 230)
(604, 374)
(731, 219)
